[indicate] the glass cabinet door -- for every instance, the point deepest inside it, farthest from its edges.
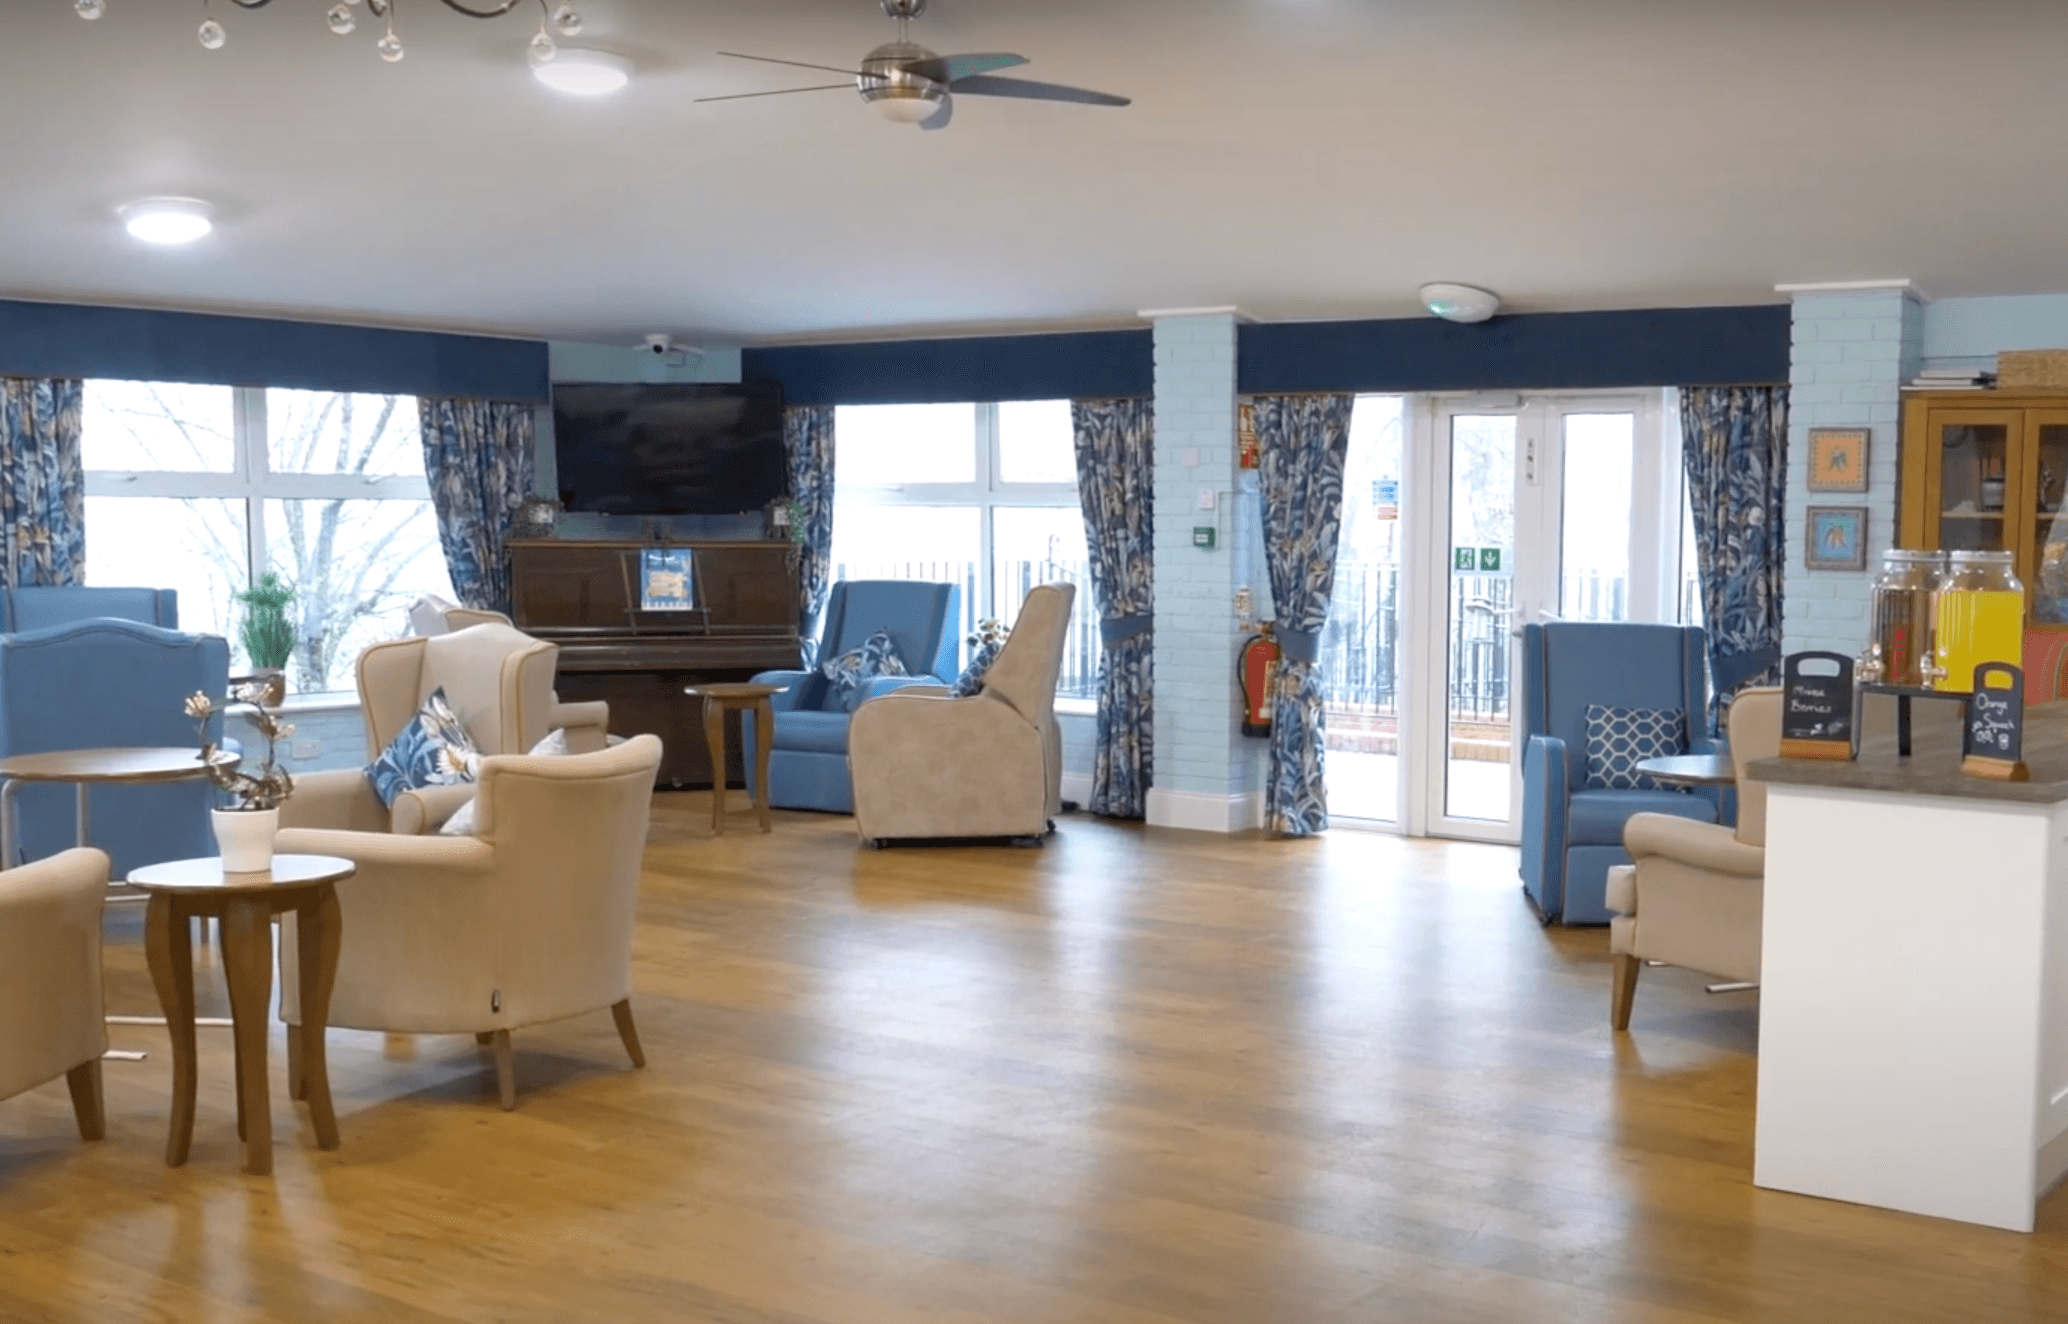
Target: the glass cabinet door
(2045, 494)
(1974, 480)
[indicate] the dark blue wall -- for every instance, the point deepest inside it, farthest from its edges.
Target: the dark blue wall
(70, 340)
(1540, 351)
(1080, 365)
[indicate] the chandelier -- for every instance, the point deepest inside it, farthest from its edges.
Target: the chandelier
(344, 19)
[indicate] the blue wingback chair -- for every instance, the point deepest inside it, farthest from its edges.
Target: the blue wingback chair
(41, 608)
(1573, 835)
(100, 683)
(807, 764)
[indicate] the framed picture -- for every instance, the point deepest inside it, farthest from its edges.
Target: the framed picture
(1838, 459)
(1835, 538)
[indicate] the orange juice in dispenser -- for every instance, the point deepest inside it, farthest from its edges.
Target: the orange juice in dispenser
(1980, 617)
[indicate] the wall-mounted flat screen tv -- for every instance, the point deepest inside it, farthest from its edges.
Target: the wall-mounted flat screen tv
(656, 449)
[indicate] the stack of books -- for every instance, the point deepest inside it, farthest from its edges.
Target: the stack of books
(1954, 379)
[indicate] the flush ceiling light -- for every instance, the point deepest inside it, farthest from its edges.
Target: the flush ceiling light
(585, 73)
(168, 220)
(343, 19)
(1460, 303)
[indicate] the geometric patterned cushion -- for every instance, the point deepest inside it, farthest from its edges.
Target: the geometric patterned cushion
(1618, 738)
(878, 656)
(433, 750)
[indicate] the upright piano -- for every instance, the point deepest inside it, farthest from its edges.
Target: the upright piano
(585, 595)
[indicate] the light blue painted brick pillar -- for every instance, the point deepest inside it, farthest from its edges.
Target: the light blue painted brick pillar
(1852, 348)
(1208, 775)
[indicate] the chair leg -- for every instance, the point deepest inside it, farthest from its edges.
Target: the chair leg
(1623, 989)
(485, 1037)
(87, 1102)
(505, 1070)
(297, 1082)
(622, 1013)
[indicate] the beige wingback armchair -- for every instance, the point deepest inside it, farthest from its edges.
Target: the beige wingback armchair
(499, 681)
(1693, 895)
(51, 1021)
(529, 920)
(990, 765)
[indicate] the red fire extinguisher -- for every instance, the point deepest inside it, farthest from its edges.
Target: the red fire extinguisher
(1256, 667)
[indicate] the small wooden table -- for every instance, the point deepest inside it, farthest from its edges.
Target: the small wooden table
(718, 700)
(87, 767)
(246, 903)
(1690, 770)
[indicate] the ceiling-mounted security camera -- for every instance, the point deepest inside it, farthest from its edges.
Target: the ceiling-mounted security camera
(660, 343)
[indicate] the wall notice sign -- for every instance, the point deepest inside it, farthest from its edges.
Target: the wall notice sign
(1385, 498)
(1817, 706)
(666, 581)
(1993, 737)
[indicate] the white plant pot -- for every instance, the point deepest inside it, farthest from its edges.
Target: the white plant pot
(245, 838)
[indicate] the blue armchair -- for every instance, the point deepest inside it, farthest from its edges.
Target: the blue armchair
(1572, 835)
(101, 683)
(807, 763)
(41, 608)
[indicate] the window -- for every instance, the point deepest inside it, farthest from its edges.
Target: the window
(198, 488)
(981, 495)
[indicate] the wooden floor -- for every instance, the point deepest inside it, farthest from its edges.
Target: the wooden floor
(1135, 1076)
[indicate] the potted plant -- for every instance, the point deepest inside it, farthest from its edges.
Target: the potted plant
(244, 831)
(267, 633)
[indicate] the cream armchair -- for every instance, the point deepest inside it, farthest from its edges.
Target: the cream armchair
(527, 921)
(926, 765)
(499, 681)
(1693, 896)
(51, 1022)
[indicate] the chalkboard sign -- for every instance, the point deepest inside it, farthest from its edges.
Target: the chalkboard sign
(1993, 741)
(1817, 706)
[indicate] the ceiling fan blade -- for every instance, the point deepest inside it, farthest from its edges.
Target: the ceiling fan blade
(948, 68)
(983, 85)
(781, 92)
(940, 118)
(794, 64)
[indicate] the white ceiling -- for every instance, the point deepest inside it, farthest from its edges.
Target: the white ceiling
(1297, 158)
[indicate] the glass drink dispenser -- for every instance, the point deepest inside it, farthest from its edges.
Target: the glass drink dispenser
(1899, 641)
(1979, 617)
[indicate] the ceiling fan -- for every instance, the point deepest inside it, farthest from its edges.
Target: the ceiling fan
(909, 84)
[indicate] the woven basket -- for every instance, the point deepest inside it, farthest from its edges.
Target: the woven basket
(2032, 367)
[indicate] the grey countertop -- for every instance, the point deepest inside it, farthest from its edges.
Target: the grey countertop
(1933, 767)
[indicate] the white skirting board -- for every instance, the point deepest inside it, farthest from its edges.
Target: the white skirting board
(1077, 787)
(1203, 811)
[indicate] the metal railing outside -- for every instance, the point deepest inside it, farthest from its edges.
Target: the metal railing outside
(1080, 674)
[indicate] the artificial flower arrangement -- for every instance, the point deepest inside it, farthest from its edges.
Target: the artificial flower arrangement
(271, 784)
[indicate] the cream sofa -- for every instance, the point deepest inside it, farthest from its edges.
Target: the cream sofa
(499, 681)
(51, 1018)
(528, 920)
(989, 765)
(1693, 895)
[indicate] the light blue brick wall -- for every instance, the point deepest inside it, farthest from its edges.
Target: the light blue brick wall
(1198, 746)
(1851, 352)
(1969, 333)
(323, 739)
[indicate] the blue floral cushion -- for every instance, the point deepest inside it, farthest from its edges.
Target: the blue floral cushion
(433, 750)
(971, 680)
(1619, 738)
(878, 656)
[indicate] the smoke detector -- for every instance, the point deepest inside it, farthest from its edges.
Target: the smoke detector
(1460, 303)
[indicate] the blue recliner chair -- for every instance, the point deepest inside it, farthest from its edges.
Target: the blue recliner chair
(41, 608)
(807, 765)
(109, 683)
(1572, 835)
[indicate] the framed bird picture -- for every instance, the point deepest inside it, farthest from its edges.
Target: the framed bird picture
(1835, 538)
(1838, 459)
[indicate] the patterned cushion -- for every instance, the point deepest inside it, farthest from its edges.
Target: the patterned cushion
(461, 824)
(878, 656)
(972, 678)
(433, 750)
(1619, 738)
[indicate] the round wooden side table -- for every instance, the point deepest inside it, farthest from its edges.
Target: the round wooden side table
(1690, 769)
(86, 768)
(180, 890)
(745, 697)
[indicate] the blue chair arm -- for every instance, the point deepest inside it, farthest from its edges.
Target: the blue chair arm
(1546, 801)
(793, 686)
(877, 686)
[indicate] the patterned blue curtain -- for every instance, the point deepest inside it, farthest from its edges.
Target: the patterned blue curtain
(478, 456)
(1116, 473)
(808, 445)
(1302, 440)
(1734, 446)
(42, 483)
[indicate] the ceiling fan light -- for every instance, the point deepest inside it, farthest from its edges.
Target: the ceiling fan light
(168, 220)
(1460, 303)
(901, 107)
(581, 72)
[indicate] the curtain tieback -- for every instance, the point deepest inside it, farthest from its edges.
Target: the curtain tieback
(1123, 628)
(1297, 645)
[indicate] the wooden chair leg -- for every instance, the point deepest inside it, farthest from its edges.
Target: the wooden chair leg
(297, 1083)
(622, 1013)
(87, 1101)
(1623, 989)
(485, 1037)
(505, 1070)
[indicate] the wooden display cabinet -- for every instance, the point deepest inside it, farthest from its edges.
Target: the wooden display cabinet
(1988, 471)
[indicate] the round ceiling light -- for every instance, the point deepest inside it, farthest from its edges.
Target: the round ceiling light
(1460, 303)
(168, 220)
(584, 73)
